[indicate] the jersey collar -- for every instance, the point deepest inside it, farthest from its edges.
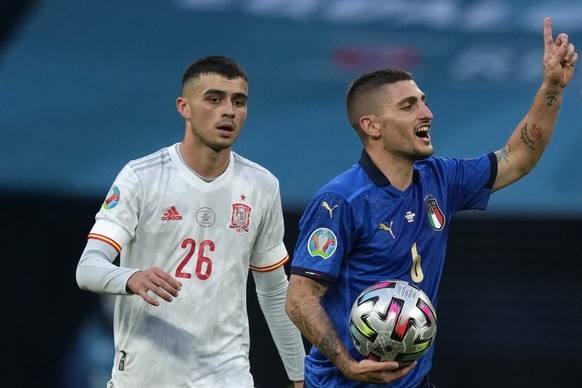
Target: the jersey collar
(374, 173)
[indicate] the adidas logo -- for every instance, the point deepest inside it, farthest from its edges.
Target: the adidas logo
(171, 214)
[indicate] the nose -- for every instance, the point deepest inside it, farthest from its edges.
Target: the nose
(228, 109)
(425, 111)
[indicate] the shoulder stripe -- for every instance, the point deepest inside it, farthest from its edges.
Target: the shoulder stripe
(150, 165)
(159, 158)
(250, 164)
(356, 193)
(105, 239)
(271, 267)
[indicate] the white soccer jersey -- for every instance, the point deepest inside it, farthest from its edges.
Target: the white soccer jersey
(206, 235)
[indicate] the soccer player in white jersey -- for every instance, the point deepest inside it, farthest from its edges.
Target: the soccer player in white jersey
(188, 222)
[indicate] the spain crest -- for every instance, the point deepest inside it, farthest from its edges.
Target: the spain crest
(240, 218)
(436, 218)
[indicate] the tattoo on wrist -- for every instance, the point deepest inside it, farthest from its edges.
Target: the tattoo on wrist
(552, 97)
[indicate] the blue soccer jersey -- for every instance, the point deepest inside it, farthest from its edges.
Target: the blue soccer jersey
(358, 229)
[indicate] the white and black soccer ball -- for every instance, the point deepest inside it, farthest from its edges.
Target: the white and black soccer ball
(393, 320)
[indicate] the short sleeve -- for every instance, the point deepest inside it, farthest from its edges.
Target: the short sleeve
(269, 251)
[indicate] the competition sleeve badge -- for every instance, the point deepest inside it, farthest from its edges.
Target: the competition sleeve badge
(112, 198)
(240, 218)
(322, 243)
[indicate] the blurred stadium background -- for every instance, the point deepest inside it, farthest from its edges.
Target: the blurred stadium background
(86, 86)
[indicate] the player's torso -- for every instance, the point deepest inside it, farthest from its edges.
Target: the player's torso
(397, 238)
(402, 236)
(194, 233)
(203, 235)
(198, 231)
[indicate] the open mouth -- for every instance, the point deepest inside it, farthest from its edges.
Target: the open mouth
(422, 132)
(226, 127)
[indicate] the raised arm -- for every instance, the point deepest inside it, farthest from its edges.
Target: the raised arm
(530, 138)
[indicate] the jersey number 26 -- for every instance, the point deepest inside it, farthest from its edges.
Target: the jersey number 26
(203, 267)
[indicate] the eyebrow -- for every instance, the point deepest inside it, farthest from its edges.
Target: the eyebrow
(223, 93)
(410, 100)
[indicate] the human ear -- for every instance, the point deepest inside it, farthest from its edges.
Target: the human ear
(370, 126)
(183, 107)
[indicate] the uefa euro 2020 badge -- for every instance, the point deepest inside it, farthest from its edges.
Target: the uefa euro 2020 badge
(322, 243)
(112, 198)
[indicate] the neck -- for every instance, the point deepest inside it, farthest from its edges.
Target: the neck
(398, 170)
(205, 161)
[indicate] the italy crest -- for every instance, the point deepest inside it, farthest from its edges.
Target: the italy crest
(436, 218)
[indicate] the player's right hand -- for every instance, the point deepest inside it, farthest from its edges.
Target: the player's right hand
(156, 280)
(378, 372)
(560, 56)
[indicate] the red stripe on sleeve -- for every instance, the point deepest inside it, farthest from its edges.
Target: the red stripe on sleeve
(271, 267)
(106, 239)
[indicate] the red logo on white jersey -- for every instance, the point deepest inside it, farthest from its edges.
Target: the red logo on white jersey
(240, 219)
(171, 215)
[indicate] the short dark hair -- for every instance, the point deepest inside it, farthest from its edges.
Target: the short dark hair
(215, 64)
(359, 92)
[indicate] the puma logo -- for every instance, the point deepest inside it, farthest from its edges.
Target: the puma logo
(383, 226)
(329, 209)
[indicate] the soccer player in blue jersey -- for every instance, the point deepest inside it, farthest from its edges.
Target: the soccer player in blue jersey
(388, 216)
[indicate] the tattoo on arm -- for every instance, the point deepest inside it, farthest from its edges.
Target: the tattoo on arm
(536, 131)
(503, 154)
(551, 97)
(329, 343)
(329, 346)
(525, 137)
(314, 323)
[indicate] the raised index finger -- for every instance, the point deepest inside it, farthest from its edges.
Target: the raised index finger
(548, 40)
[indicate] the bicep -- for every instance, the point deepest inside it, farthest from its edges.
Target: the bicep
(269, 282)
(97, 257)
(509, 168)
(96, 271)
(303, 288)
(303, 303)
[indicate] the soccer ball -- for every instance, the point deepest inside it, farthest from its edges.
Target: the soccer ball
(393, 320)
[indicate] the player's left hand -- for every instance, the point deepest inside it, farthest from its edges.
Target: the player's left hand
(157, 281)
(378, 372)
(559, 57)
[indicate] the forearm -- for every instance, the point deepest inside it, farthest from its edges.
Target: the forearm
(306, 312)
(534, 132)
(530, 138)
(272, 292)
(96, 271)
